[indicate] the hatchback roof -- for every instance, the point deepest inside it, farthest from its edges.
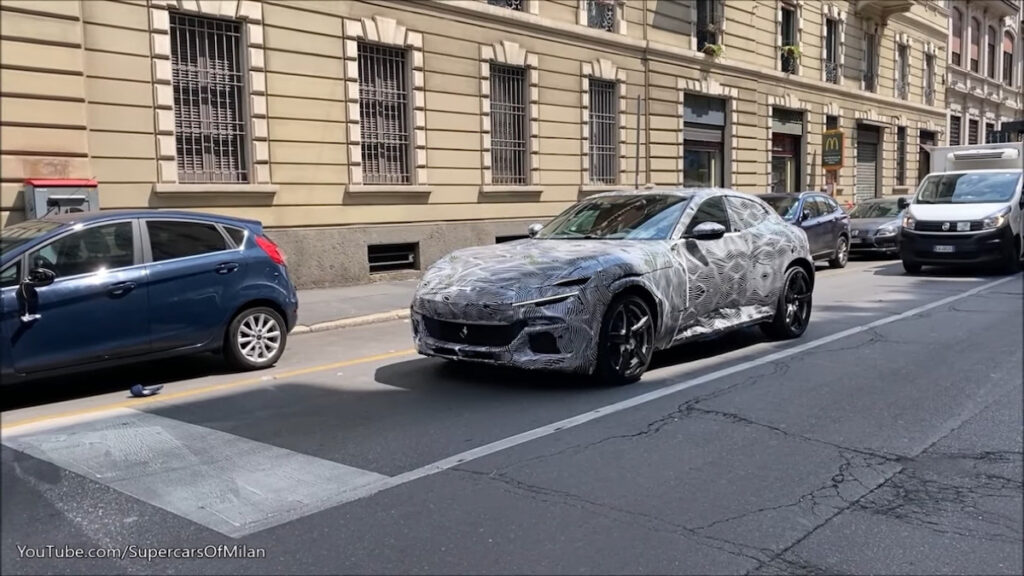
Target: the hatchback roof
(72, 218)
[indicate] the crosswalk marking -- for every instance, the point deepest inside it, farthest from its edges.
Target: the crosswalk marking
(227, 483)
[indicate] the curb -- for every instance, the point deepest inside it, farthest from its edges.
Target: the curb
(399, 314)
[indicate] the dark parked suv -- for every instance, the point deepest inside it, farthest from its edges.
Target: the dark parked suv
(826, 224)
(88, 290)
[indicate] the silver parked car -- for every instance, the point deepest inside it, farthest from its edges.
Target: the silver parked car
(875, 225)
(613, 279)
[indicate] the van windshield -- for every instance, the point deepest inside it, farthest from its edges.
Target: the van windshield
(968, 188)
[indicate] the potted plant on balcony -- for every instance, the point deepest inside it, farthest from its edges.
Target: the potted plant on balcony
(713, 50)
(791, 51)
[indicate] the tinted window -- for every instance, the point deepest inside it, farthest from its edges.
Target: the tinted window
(237, 235)
(171, 239)
(17, 234)
(826, 205)
(784, 206)
(711, 210)
(103, 247)
(813, 206)
(745, 213)
(10, 276)
(633, 217)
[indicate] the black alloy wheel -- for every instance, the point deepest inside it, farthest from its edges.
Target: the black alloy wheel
(793, 311)
(627, 341)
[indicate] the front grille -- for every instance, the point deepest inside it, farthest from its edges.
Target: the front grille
(472, 334)
(937, 226)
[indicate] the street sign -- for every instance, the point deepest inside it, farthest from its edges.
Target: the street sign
(832, 149)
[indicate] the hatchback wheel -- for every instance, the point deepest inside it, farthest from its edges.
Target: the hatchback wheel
(793, 311)
(627, 341)
(255, 339)
(842, 253)
(911, 267)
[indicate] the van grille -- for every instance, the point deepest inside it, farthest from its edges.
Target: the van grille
(937, 226)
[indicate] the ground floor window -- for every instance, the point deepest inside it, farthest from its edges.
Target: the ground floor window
(785, 163)
(702, 164)
(703, 141)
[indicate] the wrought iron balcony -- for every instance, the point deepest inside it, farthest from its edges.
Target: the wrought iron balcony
(832, 72)
(516, 5)
(601, 14)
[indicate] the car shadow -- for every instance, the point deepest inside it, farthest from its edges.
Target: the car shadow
(61, 388)
(978, 270)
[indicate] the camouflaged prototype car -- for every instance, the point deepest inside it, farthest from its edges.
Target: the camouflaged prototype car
(616, 277)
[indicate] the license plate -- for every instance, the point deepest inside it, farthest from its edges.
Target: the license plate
(945, 249)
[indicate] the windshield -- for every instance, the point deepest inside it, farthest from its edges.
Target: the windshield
(968, 188)
(876, 210)
(13, 236)
(784, 206)
(639, 217)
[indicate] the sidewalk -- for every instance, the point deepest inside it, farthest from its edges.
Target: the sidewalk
(331, 308)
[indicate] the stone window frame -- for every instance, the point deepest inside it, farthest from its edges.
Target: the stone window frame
(1002, 56)
(249, 15)
(902, 39)
(720, 5)
(601, 69)
(798, 7)
(831, 11)
(621, 26)
(509, 53)
(788, 102)
(710, 87)
(387, 32)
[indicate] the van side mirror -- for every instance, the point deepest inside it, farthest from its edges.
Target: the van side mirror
(534, 229)
(39, 277)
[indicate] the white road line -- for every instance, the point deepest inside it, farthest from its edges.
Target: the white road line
(504, 444)
(227, 483)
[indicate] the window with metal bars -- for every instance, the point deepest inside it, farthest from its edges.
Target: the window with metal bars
(954, 130)
(707, 23)
(973, 126)
(901, 156)
(601, 14)
(516, 5)
(384, 114)
(509, 125)
(604, 128)
(209, 106)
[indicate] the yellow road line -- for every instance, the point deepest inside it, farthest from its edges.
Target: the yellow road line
(136, 402)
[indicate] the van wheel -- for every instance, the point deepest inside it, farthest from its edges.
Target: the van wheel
(841, 255)
(1012, 259)
(911, 267)
(255, 339)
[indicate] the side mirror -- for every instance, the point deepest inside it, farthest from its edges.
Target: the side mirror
(39, 277)
(902, 203)
(534, 229)
(805, 215)
(708, 231)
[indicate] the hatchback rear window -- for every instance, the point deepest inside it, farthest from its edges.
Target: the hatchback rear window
(174, 239)
(237, 234)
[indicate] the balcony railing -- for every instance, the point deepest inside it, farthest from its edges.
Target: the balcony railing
(832, 72)
(601, 14)
(516, 5)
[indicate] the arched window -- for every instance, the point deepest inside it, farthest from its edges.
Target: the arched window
(958, 35)
(990, 53)
(1008, 58)
(975, 40)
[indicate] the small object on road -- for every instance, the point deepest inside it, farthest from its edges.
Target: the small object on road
(140, 391)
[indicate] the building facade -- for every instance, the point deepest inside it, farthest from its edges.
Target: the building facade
(984, 69)
(373, 136)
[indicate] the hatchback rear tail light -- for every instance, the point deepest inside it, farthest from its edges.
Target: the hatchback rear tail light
(268, 246)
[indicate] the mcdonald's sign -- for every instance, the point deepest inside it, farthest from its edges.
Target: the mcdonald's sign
(832, 149)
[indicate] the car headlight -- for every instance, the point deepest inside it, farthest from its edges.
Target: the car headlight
(996, 220)
(909, 222)
(887, 230)
(545, 300)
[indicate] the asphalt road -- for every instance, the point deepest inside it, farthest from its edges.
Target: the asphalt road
(887, 440)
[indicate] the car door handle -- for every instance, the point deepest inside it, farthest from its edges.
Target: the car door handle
(121, 288)
(226, 267)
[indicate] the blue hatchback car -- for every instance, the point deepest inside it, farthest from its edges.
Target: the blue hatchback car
(94, 289)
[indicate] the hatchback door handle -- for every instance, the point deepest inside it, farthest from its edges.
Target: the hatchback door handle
(121, 288)
(226, 267)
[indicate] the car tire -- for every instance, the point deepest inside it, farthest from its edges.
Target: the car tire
(911, 267)
(255, 339)
(842, 254)
(793, 309)
(626, 342)
(1012, 258)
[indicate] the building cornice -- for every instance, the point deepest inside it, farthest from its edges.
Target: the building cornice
(668, 53)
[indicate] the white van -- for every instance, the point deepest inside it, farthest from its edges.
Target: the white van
(968, 210)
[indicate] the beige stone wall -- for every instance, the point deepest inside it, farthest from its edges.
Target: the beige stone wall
(84, 87)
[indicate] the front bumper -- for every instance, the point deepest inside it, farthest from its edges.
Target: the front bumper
(560, 336)
(948, 249)
(874, 244)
